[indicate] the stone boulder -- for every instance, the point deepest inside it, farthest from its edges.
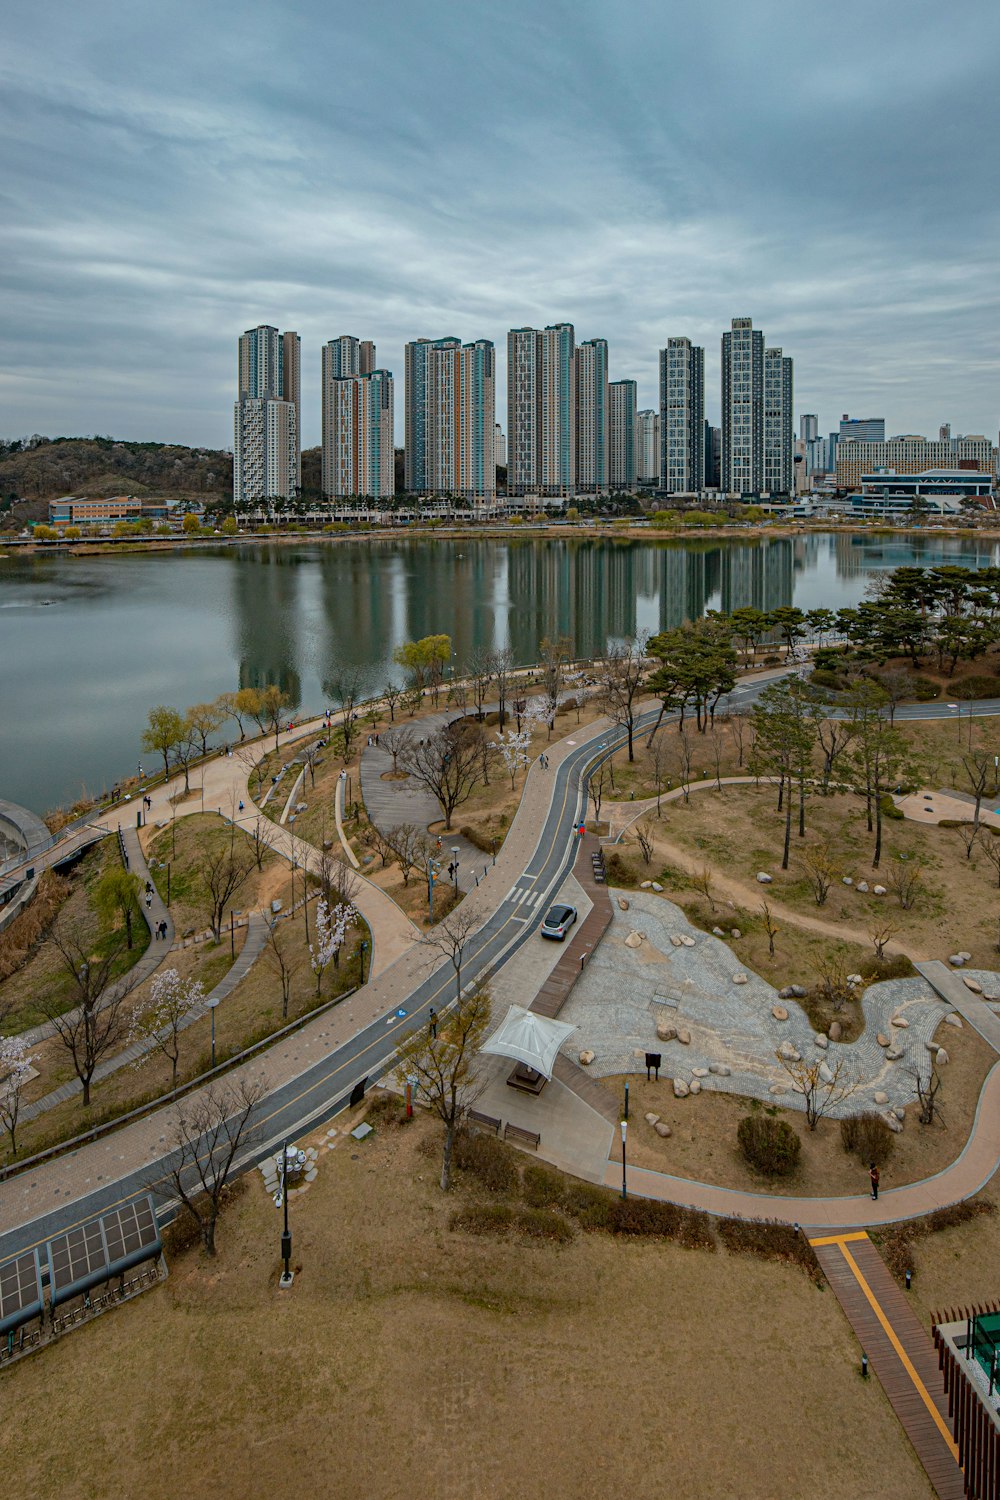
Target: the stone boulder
(587, 1057)
(848, 880)
(826, 1072)
(779, 1012)
(622, 904)
(777, 1088)
(765, 879)
(972, 984)
(665, 1031)
(882, 1039)
(721, 1070)
(634, 939)
(894, 1053)
(736, 933)
(650, 1118)
(717, 932)
(700, 1072)
(879, 890)
(655, 885)
(941, 1057)
(894, 1125)
(899, 1021)
(798, 991)
(835, 1031)
(740, 978)
(662, 1129)
(695, 1087)
(855, 979)
(880, 1096)
(931, 1046)
(675, 940)
(956, 960)
(687, 941)
(862, 886)
(788, 1052)
(644, 885)
(821, 1041)
(786, 993)
(684, 1036)
(953, 1019)
(681, 1089)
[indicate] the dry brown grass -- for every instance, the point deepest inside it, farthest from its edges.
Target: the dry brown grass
(407, 1359)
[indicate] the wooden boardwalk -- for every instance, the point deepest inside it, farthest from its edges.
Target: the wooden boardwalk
(899, 1349)
(585, 935)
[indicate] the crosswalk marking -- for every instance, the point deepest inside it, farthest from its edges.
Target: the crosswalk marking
(521, 897)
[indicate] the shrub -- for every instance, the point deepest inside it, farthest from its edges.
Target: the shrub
(769, 1241)
(980, 686)
(824, 678)
(477, 839)
(386, 1111)
(896, 1249)
(770, 1145)
(588, 1203)
(867, 1137)
(889, 808)
(543, 1188)
(487, 1159)
(619, 870)
(959, 1213)
(483, 1218)
(544, 1224)
(893, 966)
(925, 689)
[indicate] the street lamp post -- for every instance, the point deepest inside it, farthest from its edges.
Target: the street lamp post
(624, 1183)
(454, 856)
(494, 851)
(364, 949)
(213, 1006)
(286, 1237)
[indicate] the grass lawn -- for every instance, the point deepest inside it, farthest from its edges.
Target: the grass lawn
(409, 1359)
(184, 845)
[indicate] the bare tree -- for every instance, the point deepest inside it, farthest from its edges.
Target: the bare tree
(821, 1085)
(375, 839)
(395, 739)
(597, 786)
(337, 881)
(158, 1028)
(704, 881)
(682, 758)
(15, 1071)
(347, 690)
(989, 844)
(903, 879)
(448, 764)
(927, 1089)
(881, 936)
(451, 937)
(261, 837)
(391, 693)
(660, 759)
(834, 737)
(501, 663)
(443, 1060)
(519, 708)
(97, 1020)
(822, 869)
(741, 729)
(968, 833)
(832, 984)
(980, 774)
(221, 874)
(282, 960)
(252, 761)
(718, 752)
(411, 846)
(210, 1130)
(312, 757)
(620, 679)
(645, 843)
(769, 925)
(479, 670)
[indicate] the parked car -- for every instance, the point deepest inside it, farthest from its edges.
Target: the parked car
(558, 922)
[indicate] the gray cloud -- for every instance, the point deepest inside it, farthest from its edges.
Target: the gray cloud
(397, 171)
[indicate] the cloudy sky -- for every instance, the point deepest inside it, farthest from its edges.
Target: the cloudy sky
(173, 174)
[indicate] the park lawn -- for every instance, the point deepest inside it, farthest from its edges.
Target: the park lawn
(703, 1146)
(43, 975)
(958, 1266)
(441, 1364)
(183, 843)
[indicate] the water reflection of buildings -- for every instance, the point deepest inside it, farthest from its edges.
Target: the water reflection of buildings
(758, 576)
(857, 555)
(268, 614)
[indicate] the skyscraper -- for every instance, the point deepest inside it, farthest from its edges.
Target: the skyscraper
(809, 427)
(647, 446)
(541, 410)
(779, 467)
(267, 462)
(341, 358)
(861, 429)
(682, 417)
(450, 441)
(592, 416)
(743, 409)
(501, 447)
(622, 404)
(358, 436)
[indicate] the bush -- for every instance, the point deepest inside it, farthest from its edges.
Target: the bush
(896, 1249)
(824, 678)
(619, 870)
(483, 1218)
(544, 1224)
(770, 1145)
(488, 1159)
(977, 687)
(769, 1241)
(959, 1213)
(889, 808)
(477, 839)
(895, 966)
(543, 1188)
(867, 1137)
(386, 1110)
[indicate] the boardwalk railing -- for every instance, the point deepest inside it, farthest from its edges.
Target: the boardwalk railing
(974, 1427)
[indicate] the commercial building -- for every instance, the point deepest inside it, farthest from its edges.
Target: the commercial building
(743, 409)
(450, 437)
(682, 417)
(591, 379)
(647, 446)
(861, 429)
(622, 405)
(541, 410)
(954, 483)
(267, 462)
(912, 454)
(779, 467)
(358, 436)
(71, 511)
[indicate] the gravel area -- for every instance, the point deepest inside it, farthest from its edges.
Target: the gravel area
(626, 991)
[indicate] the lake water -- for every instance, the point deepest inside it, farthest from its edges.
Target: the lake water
(89, 644)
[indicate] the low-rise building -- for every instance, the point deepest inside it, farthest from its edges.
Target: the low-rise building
(72, 511)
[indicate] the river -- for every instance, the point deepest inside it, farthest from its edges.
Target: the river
(89, 643)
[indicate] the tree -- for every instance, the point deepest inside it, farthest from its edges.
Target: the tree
(880, 762)
(331, 931)
(242, 705)
(704, 881)
(903, 878)
(451, 938)
(221, 873)
(512, 747)
(395, 739)
(15, 1071)
(659, 759)
(210, 1130)
(338, 884)
(443, 1061)
(749, 627)
(269, 710)
(391, 695)
(620, 676)
(172, 1000)
(230, 526)
(697, 665)
(501, 664)
(979, 767)
(790, 623)
(97, 1020)
(163, 733)
(448, 764)
(479, 671)
(927, 1089)
(411, 846)
(190, 524)
(282, 961)
(555, 653)
(373, 837)
(682, 760)
(597, 786)
(425, 660)
(769, 925)
(989, 844)
(645, 843)
(347, 691)
(116, 895)
(204, 720)
(881, 935)
(785, 730)
(821, 1085)
(822, 869)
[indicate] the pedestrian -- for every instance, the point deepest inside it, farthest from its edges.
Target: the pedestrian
(873, 1173)
(149, 887)
(241, 804)
(376, 740)
(149, 899)
(163, 931)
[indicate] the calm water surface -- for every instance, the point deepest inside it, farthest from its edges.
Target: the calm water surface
(89, 644)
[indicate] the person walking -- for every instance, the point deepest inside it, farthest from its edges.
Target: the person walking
(873, 1174)
(149, 899)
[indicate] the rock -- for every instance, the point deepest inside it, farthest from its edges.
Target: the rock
(681, 1089)
(721, 1070)
(763, 879)
(675, 940)
(651, 1119)
(848, 880)
(662, 1129)
(826, 1072)
(894, 1054)
(953, 1019)
(777, 1088)
(900, 1021)
(882, 1039)
(880, 1096)
(665, 1031)
(972, 984)
(965, 957)
(894, 1125)
(788, 1052)
(736, 933)
(931, 1046)
(941, 1057)
(739, 978)
(798, 991)
(655, 885)
(700, 1072)
(821, 1041)
(862, 886)
(717, 932)
(854, 979)
(644, 885)
(779, 1012)
(956, 960)
(786, 993)
(835, 1031)
(688, 941)
(587, 1057)
(633, 940)
(684, 1036)
(878, 890)
(622, 904)
(695, 1087)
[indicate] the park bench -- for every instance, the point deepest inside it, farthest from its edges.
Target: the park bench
(520, 1135)
(487, 1121)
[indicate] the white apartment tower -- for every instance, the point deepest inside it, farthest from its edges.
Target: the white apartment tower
(450, 441)
(682, 417)
(358, 436)
(267, 464)
(591, 359)
(622, 405)
(647, 446)
(743, 409)
(779, 457)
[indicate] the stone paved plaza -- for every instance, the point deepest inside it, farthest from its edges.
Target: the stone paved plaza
(627, 990)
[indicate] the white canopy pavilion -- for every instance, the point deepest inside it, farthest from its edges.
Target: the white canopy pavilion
(529, 1038)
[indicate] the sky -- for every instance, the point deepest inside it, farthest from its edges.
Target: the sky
(172, 175)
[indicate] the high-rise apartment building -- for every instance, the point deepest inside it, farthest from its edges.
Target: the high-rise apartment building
(779, 458)
(682, 417)
(809, 427)
(541, 410)
(622, 405)
(342, 358)
(647, 446)
(592, 468)
(713, 457)
(861, 429)
(450, 441)
(358, 436)
(267, 462)
(743, 409)
(500, 447)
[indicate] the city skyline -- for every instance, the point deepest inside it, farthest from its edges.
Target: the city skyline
(153, 205)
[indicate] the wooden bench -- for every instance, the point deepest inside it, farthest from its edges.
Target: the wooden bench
(487, 1121)
(521, 1136)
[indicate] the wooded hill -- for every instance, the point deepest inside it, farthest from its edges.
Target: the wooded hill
(104, 466)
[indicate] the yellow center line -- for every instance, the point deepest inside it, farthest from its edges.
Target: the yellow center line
(891, 1335)
(840, 1239)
